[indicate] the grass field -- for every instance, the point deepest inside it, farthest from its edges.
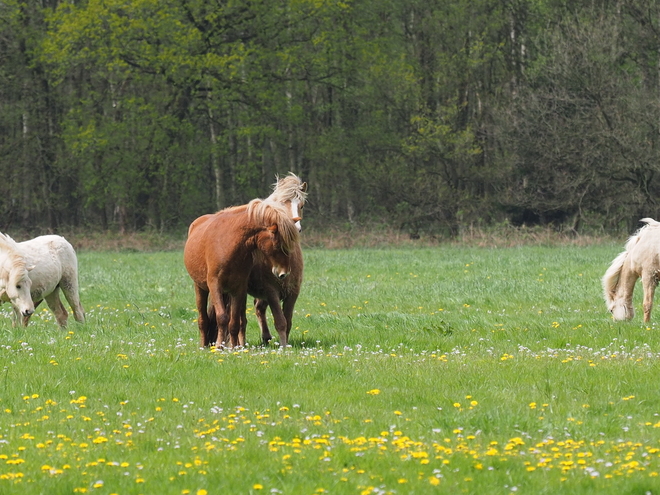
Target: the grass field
(448, 370)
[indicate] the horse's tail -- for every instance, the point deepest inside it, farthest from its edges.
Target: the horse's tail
(611, 278)
(612, 275)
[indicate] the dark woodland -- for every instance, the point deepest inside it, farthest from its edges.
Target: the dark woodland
(429, 116)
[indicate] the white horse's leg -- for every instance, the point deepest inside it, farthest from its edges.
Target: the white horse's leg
(56, 306)
(26, 319)
(623, 307)
(15, 316)
(649, 282)
(70, 290)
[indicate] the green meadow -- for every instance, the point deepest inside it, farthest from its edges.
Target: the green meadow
(431, 370)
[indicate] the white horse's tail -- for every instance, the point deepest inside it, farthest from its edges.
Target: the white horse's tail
(611, 278)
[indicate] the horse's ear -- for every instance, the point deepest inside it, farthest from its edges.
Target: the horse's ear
(304, 187)
(273, 229)
(29, 268)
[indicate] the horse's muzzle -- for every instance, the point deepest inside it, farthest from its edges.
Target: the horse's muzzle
(28, 312)
(279, 273)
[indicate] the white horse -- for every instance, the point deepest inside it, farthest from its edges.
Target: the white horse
(15, 282)
(641, 258)
(52, 265)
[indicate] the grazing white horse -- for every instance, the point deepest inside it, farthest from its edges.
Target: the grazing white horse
(14, 280)
(641, 258)
(52, 266)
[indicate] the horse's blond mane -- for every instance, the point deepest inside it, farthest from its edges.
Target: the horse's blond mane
(288, 188)
(14, 256)
(267, 213)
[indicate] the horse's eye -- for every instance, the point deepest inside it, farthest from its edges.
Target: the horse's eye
(18, 286)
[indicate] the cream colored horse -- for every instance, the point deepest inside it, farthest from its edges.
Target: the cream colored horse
(52, 266)
(641, 258)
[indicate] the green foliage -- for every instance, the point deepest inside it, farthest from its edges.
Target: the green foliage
(431, 115)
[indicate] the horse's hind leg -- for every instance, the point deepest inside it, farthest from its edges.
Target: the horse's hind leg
(56, 306)
(237, 319)
(70, 290)
(203, 319)
(217, 300)
(260, 306)
(649, 282)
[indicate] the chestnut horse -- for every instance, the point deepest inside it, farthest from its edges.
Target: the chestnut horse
(219, 255)
(641, 258)
(268, 291)
(280, 294)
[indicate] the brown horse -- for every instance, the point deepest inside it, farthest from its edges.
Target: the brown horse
(290, 192)
(219, 255)
(280, 294)
(271, 291)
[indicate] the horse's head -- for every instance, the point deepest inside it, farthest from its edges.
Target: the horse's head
(295, 208)
(272, 247)
(621, 309)
(15, 286)
(290, 192)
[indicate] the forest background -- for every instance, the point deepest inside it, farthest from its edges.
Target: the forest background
(428, 116)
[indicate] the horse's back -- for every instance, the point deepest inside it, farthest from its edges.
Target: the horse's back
(644, 247)
(53, 261)
(54, 247)
(209, 236)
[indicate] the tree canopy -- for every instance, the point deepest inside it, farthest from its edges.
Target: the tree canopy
(430, 115)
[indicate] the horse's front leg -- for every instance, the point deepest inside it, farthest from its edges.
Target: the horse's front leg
(287, 308)
(237, 318)
(16, 317)
(278, 318)
(260, 306)
(649, 282)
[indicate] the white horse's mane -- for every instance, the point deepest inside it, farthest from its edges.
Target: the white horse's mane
(12, 250)
(611, 277)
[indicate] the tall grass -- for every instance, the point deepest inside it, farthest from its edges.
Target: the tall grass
(449, 369)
